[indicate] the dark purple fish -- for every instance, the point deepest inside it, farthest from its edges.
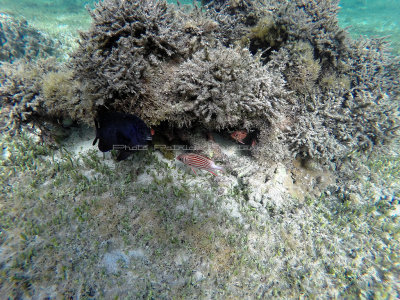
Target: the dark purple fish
(194, 160)
(120, 131)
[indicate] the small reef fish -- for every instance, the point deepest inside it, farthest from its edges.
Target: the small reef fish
(194, 160)
(245, 137)
(120, 131)
(239, 135)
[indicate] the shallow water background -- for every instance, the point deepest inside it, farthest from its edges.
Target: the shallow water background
(372, 18)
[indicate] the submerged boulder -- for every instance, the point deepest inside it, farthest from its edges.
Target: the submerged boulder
(284, 69)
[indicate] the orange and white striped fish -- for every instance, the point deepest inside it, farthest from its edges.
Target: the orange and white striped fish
(194, 160)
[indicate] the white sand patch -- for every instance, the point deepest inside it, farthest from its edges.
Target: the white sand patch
(137, 254)
(181, 257)
(115, 261)
(131, 199)
(198, 276)
(144, 178)
(181, 208)
(81, 140)
(89, 174)
(396, 211)
(161, 157)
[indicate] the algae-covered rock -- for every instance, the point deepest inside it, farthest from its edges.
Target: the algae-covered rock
(284, 69)
(37, 91)
(224, 87)
(303, 69)
(18, 39)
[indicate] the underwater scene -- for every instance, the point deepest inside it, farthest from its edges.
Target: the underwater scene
(227, 149)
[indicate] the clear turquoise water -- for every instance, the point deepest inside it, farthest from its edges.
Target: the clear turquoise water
(372, 18)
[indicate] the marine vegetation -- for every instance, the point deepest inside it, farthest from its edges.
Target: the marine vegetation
(18, 40)
(34, 91)
(78, 226)
(311, 210)
(285, 69)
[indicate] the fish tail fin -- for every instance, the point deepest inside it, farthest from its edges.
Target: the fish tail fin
(212, 172)
(214, 169)
(194, 172)
(220, 168)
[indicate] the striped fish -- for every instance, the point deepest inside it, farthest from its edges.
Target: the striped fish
(200, 162)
